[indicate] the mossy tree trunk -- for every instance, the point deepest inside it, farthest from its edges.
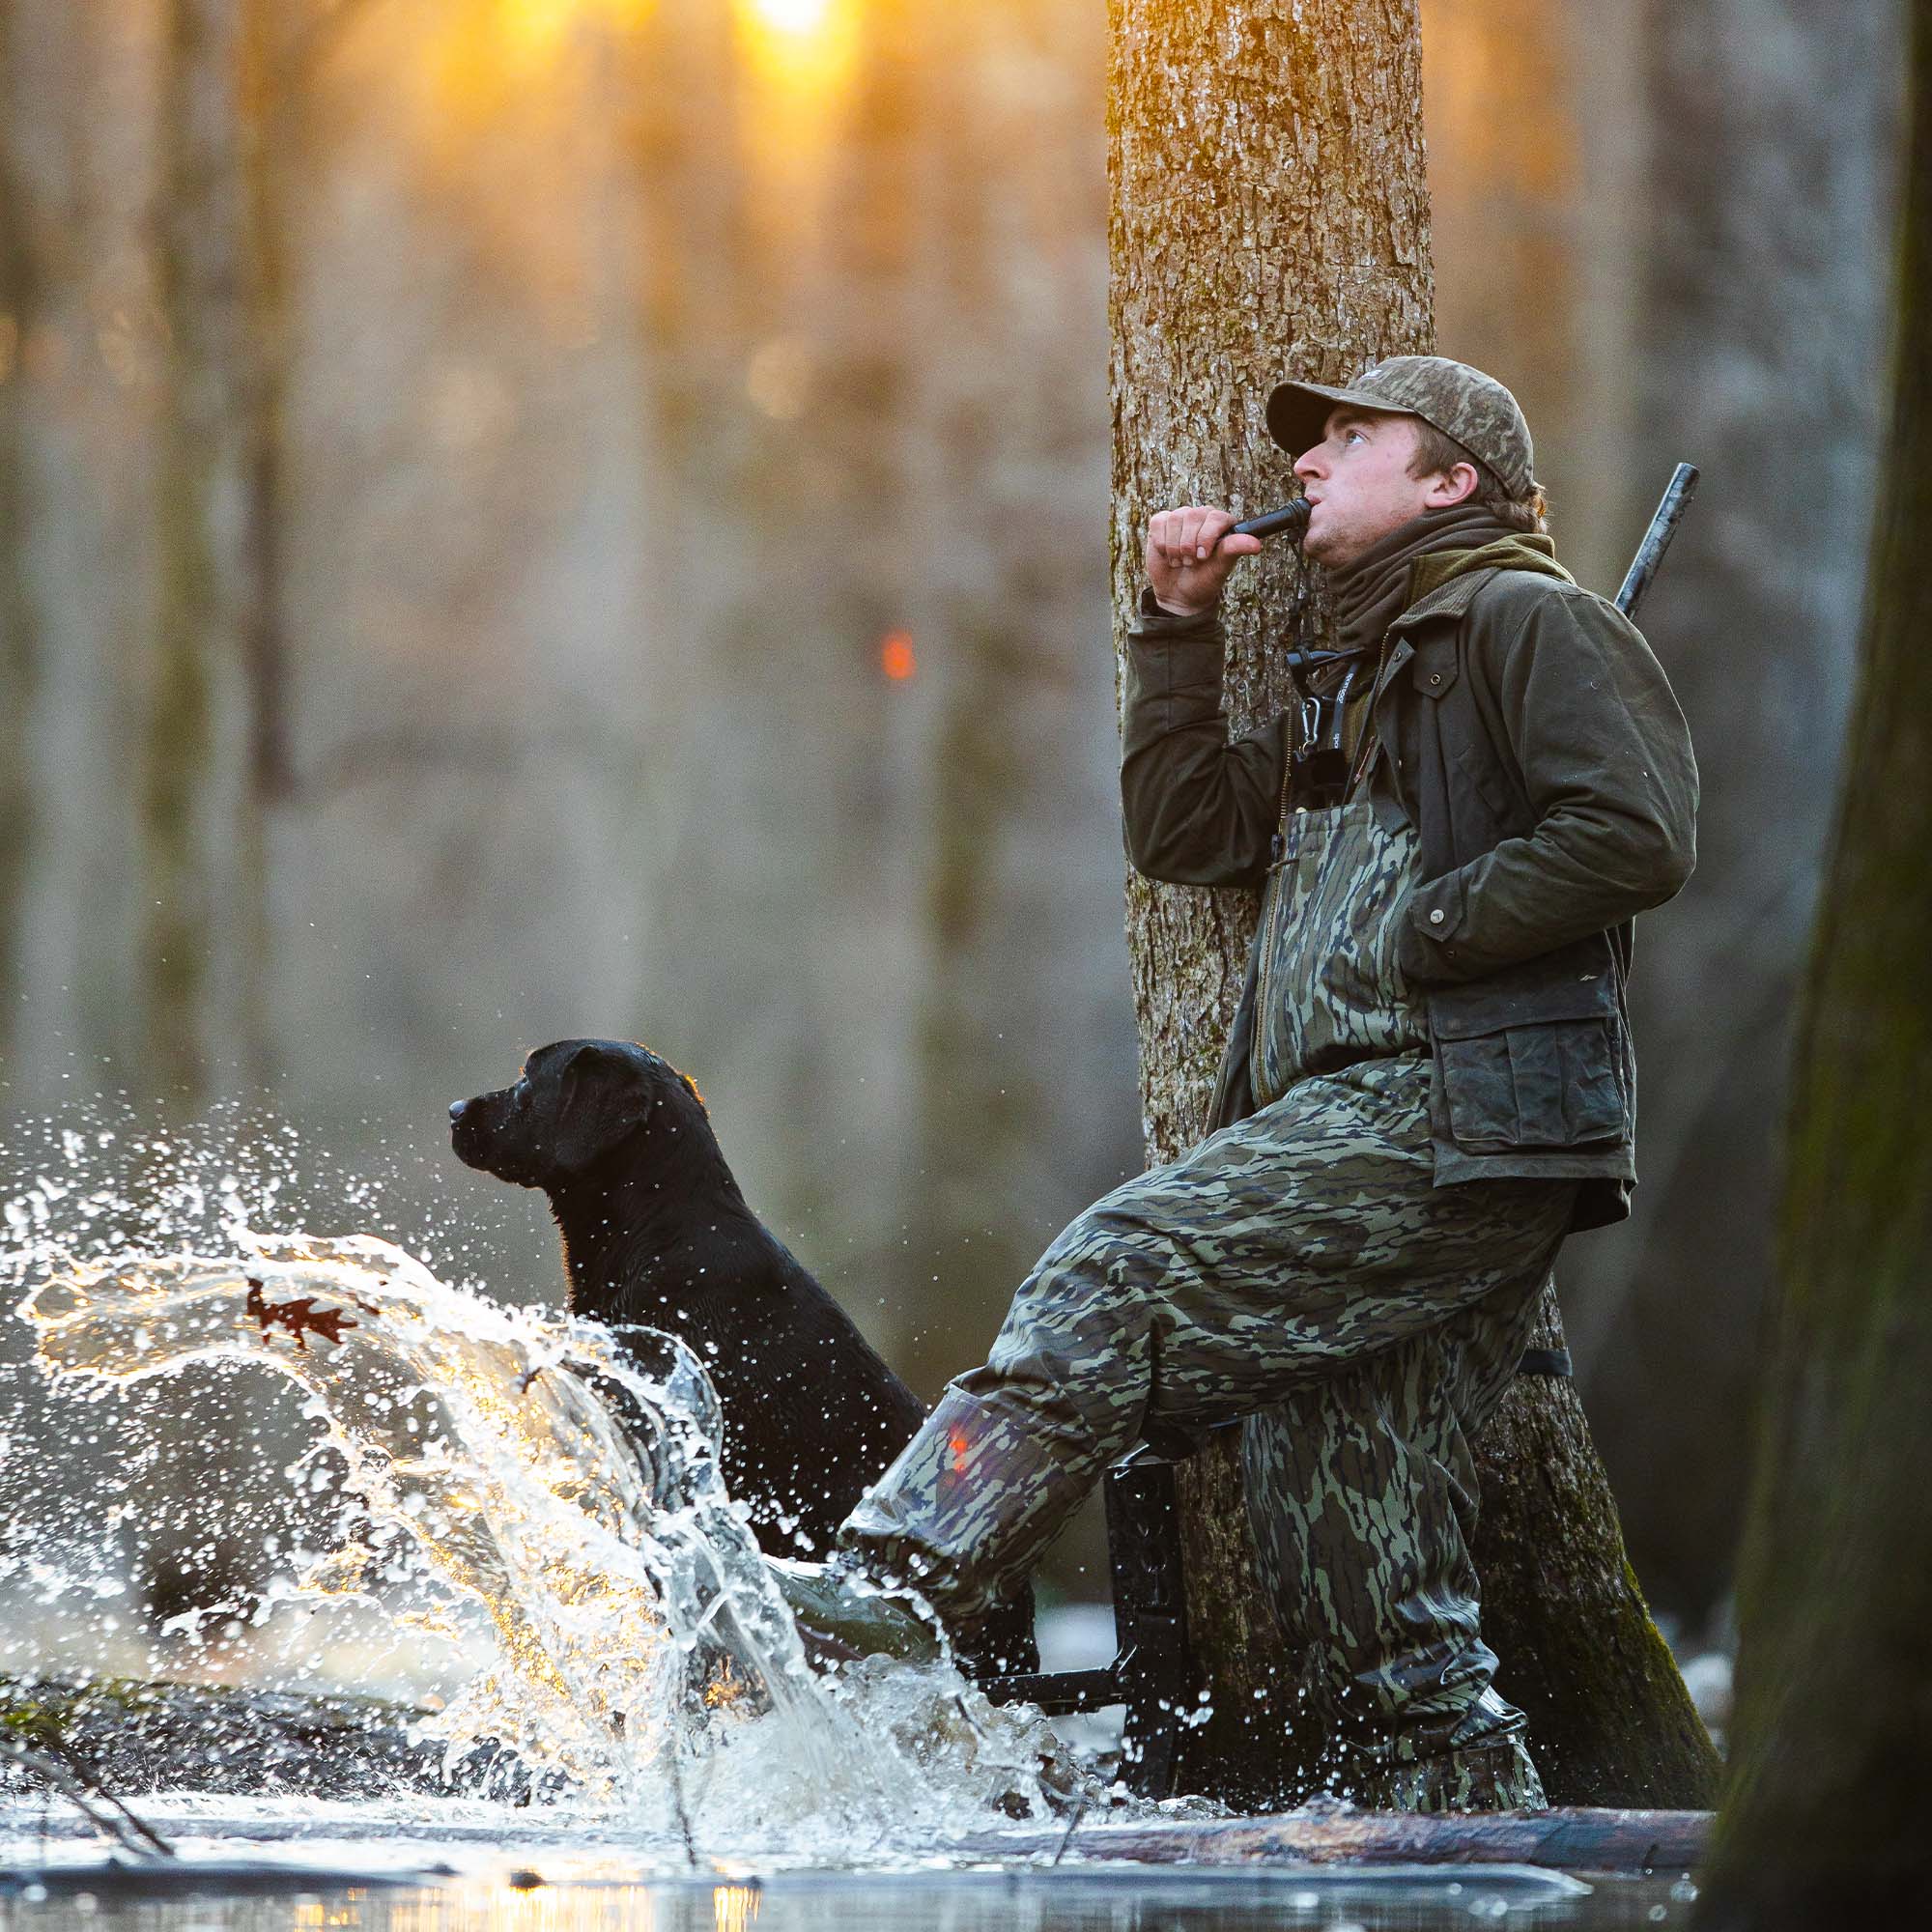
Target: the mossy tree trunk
(1269, 211)
(1826, 1819)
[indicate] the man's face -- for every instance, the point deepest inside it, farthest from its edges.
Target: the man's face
(1357, 479)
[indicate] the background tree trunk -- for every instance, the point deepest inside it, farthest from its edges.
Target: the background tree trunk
(215, 651)
(19, 641)
(1270, 209)
(1826, 1823)
(1759, 274)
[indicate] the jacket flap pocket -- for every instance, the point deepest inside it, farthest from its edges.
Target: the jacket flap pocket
(1550, 1085)
(1489, 1006)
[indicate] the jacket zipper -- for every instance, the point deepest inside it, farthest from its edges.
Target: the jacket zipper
(1270, 905)
(1366, 748)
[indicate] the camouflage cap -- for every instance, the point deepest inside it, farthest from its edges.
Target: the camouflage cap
(1460, 400)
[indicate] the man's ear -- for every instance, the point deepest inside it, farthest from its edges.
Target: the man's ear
(1458, 484)
(600, 1099)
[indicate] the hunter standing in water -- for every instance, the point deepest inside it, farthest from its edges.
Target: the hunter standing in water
(1429, 1084)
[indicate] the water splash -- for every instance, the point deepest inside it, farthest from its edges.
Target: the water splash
(565, 1479)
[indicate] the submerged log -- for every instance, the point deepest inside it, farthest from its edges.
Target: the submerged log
(127, 1737)
(130, 1738)
(1327, 1833)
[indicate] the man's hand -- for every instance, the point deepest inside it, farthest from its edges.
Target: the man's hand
(1189, 555)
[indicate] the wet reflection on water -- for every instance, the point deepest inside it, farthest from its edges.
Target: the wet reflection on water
(955, 1901)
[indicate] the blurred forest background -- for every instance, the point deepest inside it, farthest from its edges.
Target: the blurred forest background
(526, 518)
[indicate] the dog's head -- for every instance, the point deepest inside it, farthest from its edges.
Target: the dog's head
(578, 1103)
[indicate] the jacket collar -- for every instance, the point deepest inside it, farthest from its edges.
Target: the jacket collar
(1457, 575)
(1446, 600)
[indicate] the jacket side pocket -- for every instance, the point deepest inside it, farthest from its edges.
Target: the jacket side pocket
(1550, 1085)
(1534, 1061)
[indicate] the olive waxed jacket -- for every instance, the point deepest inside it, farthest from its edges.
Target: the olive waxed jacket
(1532, 738)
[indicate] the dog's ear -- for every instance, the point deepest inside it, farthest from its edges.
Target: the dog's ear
(602, 1098)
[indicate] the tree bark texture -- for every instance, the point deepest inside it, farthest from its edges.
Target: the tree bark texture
(1826, 1823)
(1610, 1718)
(1270, 215)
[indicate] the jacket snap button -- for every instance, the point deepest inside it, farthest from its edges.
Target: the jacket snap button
(1435, 677)
(1436, 918)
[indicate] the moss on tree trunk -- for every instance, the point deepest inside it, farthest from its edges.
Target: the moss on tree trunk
(1269, 211)
(1826, 1819)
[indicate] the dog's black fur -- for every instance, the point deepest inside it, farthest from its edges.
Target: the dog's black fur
(656, 1232)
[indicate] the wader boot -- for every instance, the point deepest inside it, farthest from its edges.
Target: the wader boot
(846, 1612)
(1483, 1765)
(969, 1477)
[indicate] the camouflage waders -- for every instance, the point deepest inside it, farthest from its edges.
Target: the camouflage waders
(1301, 1270)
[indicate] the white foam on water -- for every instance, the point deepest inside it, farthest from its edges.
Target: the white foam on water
(558, 1484)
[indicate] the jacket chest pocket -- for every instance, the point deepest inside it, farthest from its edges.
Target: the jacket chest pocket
(1550, 1081)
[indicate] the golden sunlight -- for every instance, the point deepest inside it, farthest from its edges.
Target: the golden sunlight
(792, 17)
(796, 58)
(799, 48)
(483, 56)
(532, 31)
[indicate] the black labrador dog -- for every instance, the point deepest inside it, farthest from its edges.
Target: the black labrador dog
(657, 1232)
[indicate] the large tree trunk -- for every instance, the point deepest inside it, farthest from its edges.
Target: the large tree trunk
(1827, 1824)
(1269, 209)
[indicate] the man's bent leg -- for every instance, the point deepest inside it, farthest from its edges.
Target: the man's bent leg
(1280, 1252)
(1012, 1448)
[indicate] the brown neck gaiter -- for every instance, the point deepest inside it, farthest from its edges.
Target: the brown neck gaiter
(1371, 593)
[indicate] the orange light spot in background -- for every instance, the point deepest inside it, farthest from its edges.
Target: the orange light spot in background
(896, 658)
(962, 1452)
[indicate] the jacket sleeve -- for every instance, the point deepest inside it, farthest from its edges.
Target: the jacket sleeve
(1199, 811)
(1605, 759)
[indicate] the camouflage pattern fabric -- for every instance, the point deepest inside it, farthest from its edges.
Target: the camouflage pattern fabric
(1473, 409)
(1330, 993)
(1361, 1499)
(1302, 1268)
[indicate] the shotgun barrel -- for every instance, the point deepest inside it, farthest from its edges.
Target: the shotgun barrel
(1670, 508)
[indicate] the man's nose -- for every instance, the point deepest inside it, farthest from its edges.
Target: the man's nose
(1308, 463)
